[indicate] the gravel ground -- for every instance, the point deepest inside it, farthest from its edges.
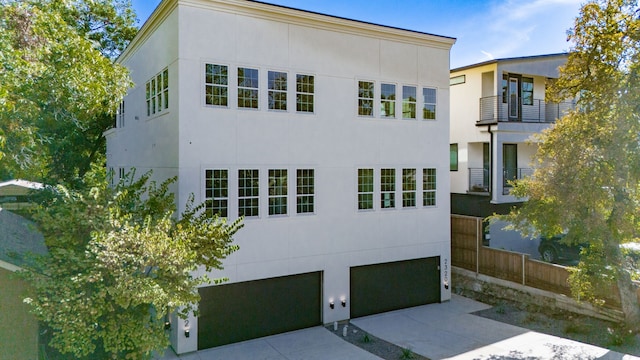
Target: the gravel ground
(372, 344)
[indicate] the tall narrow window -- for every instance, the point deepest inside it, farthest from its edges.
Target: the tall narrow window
(248, 192)
(305, 192)
(365, 98)
(453, 157)
(217, 192)
(429, 99)
(505, 80)
(305, 89)
(277, 90)
(157, 93)
(408, 187)
(387, 188)
(278, 192)
(388, 100)
(365, 189)
(120, 115)
(216, 85)
(429, 187)
(408, 102)
(527, 91)
(247, 88)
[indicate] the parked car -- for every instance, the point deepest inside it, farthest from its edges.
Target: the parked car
(553, 250)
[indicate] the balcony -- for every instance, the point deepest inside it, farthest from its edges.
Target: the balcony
(479, 180)
(512, 174)
(494, 110)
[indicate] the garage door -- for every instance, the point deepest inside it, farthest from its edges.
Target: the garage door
(396, 285)
(248, 310)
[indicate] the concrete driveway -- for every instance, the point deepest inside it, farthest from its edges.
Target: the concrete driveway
(449, 331)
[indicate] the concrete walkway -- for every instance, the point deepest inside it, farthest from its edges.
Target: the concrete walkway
(437, 331)
(449, 331)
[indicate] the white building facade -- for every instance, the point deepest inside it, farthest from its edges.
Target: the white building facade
(328, 135)
(496, 108)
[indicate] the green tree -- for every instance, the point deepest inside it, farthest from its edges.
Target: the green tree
(59, 85)
(119, 262)
(587, 178)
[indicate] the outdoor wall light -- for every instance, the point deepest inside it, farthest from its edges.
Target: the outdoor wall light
(332, 304)
(344, 302)
(186, 332)
(167, 325)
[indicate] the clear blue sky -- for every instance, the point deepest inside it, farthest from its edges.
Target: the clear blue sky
(484, 29)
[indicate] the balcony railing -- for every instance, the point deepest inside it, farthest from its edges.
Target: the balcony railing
(511, 174)
(494, 110)
(479, 180)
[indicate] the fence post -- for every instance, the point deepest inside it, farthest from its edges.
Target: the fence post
(479, 235)
(524, 279)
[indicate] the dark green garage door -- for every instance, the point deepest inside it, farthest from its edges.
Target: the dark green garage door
(397, 285)
(248, 310)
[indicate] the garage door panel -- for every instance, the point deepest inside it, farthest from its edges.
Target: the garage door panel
(396, 285)
(242, 311)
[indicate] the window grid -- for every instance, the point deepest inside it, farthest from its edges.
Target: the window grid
(278, 192)
(527, 91)
(157, 93)
(305, 89)
(365, 189)
(409, 101)
(387, 188)
(429, 187)
(216, 85)
(277, 83)
(120, 115)
(408, 187)
(388, 100)
(365, 98)
(429, 103)
(248, 192)
(247, 88)
(217, 192)
(305, 191)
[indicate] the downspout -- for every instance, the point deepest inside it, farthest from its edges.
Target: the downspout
(490, 162)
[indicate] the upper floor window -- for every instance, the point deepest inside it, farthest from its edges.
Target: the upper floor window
(248, 192)
(408, 187)
(157, 93)
(365, 189)
(277, 83)
(305, 191)
(429, 96)
(120, 115)
(408, 102)
(505, 85)
(365, 98)
(388, 100)
(527, 91)
(387, 188)
(305, 90)
(216, 85)
(453, 157)
(248, 88)
(217, 192)
(429, 187)
(278, 192)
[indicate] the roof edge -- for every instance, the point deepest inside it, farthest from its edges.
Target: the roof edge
(509, 59)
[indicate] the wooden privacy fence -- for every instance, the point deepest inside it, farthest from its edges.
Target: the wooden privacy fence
(467, 252)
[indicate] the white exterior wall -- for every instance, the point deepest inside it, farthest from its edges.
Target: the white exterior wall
(334, 140)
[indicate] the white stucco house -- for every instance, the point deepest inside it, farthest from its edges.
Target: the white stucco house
(329, 135)
(496, 107)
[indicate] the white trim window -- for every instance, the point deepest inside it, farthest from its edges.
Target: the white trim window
(120, 115)
(217, 192)
(277, 84)
(305, 90)
(305, 191)
(216, 84)
(387, 188)
(429, 187)
(429, 96)
(277, 191)
(248, 192)
(157, 93)
(365, 98)
(408, 187)
(248, 88)
(365, 189)
(388, 100)
(409, 102)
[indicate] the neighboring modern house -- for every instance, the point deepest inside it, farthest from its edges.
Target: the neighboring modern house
(330, 137)
(14, 194)
(496, 107)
